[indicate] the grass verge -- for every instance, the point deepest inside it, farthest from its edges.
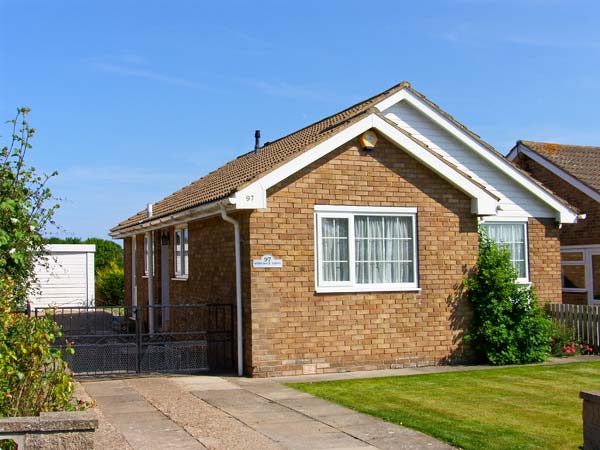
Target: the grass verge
(527, 407)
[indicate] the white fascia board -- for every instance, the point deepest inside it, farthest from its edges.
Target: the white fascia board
(199, 212)
(254, 195)
(555, 170)
(564, 214)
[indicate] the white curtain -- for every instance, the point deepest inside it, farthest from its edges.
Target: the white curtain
(384, 249)
(511, 236)
(336, 266)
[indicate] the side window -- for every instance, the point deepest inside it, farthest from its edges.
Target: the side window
(181, 252)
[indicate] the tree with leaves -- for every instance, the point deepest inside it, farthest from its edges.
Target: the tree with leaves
(24, 209)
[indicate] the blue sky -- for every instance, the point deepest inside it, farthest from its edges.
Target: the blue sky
(133, 100)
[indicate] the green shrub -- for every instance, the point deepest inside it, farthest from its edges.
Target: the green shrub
(33, 375)
(508, 326)
(110, 286)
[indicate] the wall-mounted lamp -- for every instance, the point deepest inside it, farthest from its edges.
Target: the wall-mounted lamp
(164, 238)
(368, 140)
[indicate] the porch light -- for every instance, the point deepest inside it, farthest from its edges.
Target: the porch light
(164, 238)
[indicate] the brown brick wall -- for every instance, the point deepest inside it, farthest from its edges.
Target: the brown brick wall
(584, 232)
(295, 330)
(544, 259)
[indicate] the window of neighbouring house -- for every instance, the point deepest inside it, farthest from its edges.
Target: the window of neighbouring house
(149, 236)
(181, 252)
(573, 271)
(365, 249)
(512, 236)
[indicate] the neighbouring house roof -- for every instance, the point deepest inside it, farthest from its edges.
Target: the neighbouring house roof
(580, 161)
(249, 167)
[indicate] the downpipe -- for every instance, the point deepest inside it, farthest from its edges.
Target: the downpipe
(238, 291)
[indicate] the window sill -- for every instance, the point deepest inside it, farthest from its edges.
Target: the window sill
(185, 278)
(357, 289)
(575, 290)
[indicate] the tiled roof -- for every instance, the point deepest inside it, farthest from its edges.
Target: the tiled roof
(580, 161)
(227, 179)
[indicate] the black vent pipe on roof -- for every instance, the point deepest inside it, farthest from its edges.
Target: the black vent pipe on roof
(257, 141)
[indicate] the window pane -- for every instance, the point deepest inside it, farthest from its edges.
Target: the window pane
(384, 249)
(596, 276)
(185, 251)
(335, 263)
(146, 254)
(571, 256)
(573, 277)
(178, 252)
(512, 237)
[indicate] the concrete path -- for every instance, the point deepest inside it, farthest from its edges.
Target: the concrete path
(300, 421)
(142, 425)
(202, 412)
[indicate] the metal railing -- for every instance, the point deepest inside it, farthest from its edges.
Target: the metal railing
(141, 339)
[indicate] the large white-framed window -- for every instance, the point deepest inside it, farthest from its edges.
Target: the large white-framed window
(513, 236)
(360, 249)
(147, 237)
(181, 254)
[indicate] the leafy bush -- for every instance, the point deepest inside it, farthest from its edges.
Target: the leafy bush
(110, 286)
(33, 375)
(563, 342)
(508, 326)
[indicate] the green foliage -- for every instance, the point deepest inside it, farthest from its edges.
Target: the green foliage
(508, 326)
(107, 254)
(110, 285)
(33, 375)
(68, 240)
(23, 209)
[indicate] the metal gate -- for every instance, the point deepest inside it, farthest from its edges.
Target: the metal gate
(144, 339)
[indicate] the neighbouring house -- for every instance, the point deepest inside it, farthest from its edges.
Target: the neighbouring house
(343, 245)
(573, 172)
(65, 277)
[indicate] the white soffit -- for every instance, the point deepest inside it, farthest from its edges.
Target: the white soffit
(564, 214)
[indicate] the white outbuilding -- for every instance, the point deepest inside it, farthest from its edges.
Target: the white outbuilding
(65, 276)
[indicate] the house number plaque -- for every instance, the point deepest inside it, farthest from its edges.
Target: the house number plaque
(267, 261)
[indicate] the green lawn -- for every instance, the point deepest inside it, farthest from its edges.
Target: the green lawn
(527, 407)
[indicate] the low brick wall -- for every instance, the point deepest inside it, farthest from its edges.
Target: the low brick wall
(591, 420)
(50, 431)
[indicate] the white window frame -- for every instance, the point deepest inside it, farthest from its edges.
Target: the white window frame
(349, 212)
(588, 251)
(150, 236)
(515, 221)
(581, 262)
(182, 273)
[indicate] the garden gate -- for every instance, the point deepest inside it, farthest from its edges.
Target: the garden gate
(143, 339)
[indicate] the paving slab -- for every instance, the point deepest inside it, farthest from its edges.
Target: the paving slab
(292, 429)
(369, 430)
(143, 426)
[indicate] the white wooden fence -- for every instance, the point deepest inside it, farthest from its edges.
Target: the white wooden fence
(585, 321)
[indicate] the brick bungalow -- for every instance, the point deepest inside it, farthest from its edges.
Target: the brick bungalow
(573, 172)
(345, 242)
